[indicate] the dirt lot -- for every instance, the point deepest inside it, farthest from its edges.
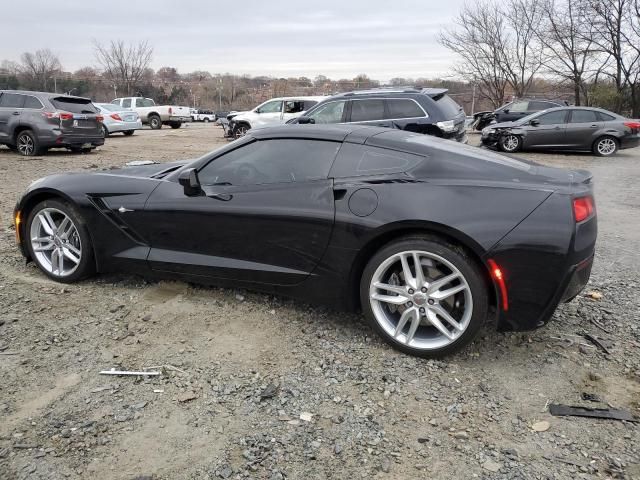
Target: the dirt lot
(375, 413)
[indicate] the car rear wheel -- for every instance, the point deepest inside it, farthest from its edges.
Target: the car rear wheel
(510, 143)
(424, 296)
(206, 120)
(27, 144)
(128, 133)
(58, 241)
(175, 124)
(605, 146)
(155, 122)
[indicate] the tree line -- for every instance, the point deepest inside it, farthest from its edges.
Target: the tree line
(589, 46)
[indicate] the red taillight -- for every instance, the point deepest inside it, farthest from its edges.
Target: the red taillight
(498, 277)
(66, 116)
(115, 116)
(632, 125)
(583, 208)
(60, 115)
(99, 118)
(170, 110)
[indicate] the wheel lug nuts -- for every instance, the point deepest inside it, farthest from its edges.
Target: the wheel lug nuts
(411, 291)
(409, 304)
(421, 309)
(423, 290)
(431, 301)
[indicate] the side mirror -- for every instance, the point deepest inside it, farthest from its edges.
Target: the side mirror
(189, 180)
(506, 110)
(305, 120)
(534, 123)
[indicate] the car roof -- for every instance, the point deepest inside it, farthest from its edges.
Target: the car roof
(301, 97)
(431, 92)
(336, 131)
(44, 94)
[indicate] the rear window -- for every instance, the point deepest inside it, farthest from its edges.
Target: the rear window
(448, 106)
(404, 108)
(32, 102)
(74, 105)
(366, 110)
(537, 106)
(363, 160)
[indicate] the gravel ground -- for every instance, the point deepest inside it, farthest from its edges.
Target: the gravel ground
(255, 386)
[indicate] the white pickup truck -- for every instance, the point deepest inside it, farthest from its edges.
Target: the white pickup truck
(155, 115)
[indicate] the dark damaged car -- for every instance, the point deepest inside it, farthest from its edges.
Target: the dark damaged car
(429, 238)
(565, 128)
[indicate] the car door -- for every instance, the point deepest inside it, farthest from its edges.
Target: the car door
(330, 112)
(269, 113)
(265, 214)
(546, 130)
(10, 110)
(512, 112)
(582, 128)
(369, 111)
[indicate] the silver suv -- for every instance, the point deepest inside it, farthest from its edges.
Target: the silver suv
(33, 122)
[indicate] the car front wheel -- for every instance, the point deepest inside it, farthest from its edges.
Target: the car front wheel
(424, 296)
(509, 143)
(58, 241)
(27, 144)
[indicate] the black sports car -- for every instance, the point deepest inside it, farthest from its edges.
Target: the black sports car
(429, 237)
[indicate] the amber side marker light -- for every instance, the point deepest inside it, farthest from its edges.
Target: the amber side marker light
(17, 221)
(498, 276)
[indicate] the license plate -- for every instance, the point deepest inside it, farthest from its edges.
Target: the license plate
(130, 119)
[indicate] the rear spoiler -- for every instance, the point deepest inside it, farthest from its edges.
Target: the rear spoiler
(582, 176)
(435, 93)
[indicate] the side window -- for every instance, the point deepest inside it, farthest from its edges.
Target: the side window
(293, 106)
(272, 161)
(605, 117)
(126, 103)
(359, 160)
(32, 102)
(519, 107)
(271, 107)
(308, 104)
(367, 110)
(553, 118)
(329, 112)
(583, 116)
(404, 108)
(11, 100)
(116, 101)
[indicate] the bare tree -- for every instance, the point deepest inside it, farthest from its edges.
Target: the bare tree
(497, 45)
(40, 67)
(569, 51)
(124, 65)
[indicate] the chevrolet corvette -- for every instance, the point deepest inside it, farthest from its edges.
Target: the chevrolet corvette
(431, 239)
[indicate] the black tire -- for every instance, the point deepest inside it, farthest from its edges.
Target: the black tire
(206, 120)
(456, 256)
(105, 131)
(155, 122)
(175, 125)
(241, 129)
(27, 144)
(510, 143)
(128, 133)
(80, 149)
(86, 266)
(605, 146)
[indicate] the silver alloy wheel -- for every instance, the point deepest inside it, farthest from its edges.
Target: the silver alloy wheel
(421, 299)
(241, 131)
(510, 143)
(606, 146)
(55, 242)
(25, 145)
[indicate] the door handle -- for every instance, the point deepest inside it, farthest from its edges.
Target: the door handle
(15, 113)
(594, 126)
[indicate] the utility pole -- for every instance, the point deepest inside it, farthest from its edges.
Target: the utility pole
(220, 94)
(55, 84)
(473, 100)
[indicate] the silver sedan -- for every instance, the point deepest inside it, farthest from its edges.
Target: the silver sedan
(116, 119)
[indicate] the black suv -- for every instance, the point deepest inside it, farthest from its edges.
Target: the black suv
(422, 110)
(33, 122)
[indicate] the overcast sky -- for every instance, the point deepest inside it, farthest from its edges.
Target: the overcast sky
(340, 39)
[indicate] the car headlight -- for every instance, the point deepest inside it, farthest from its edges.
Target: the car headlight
(490, 130)
(448, 126)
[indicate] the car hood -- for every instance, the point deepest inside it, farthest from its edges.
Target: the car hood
(152, 170)
(505, 125)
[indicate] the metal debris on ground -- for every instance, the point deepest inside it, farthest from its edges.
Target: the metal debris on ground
(270, 391)
(607, 413)
(591, 397)
(113, 371)
(597, 343)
